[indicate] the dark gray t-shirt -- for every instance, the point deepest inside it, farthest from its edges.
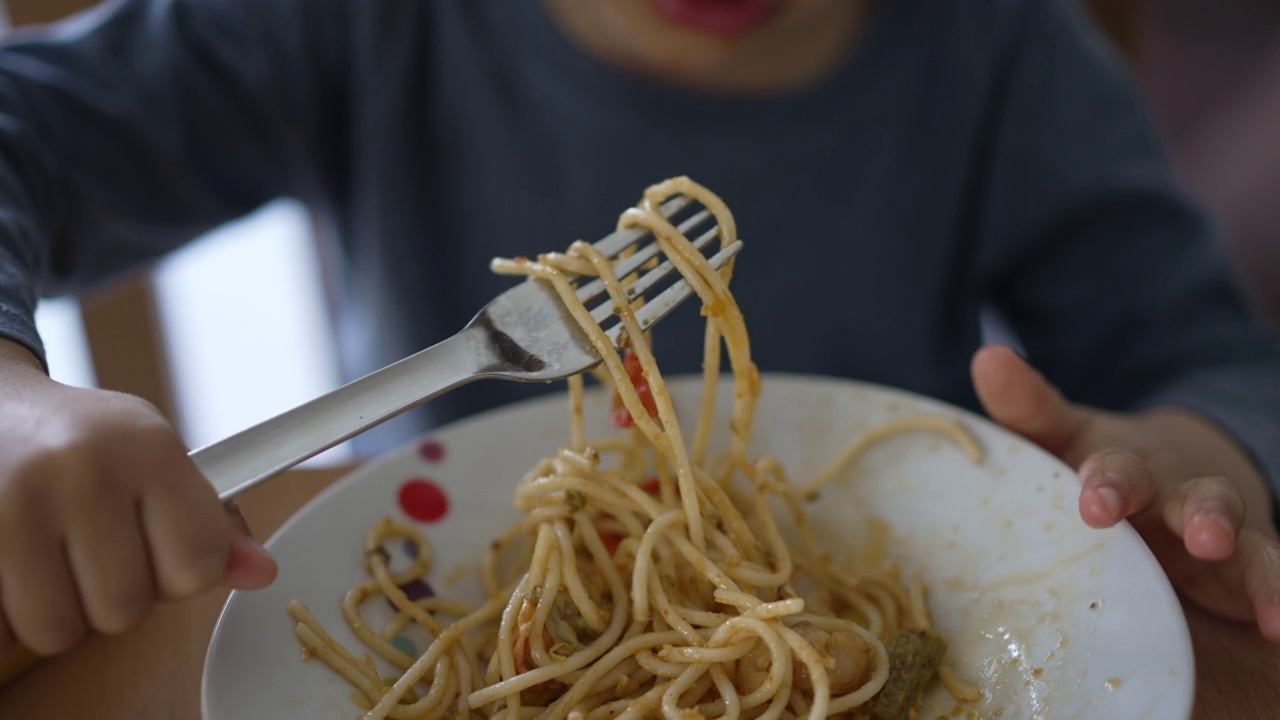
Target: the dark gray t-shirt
(987, 153)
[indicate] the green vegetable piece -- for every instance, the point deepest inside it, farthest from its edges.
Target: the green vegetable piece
(914, 656)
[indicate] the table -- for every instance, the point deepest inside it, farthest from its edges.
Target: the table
(155, 671)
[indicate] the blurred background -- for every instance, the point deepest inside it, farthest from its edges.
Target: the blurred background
(1210, 71)
(218, 358)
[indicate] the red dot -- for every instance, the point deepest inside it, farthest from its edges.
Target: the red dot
(432, 451)
(423, 500)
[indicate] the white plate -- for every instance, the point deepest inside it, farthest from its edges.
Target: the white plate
(1051, 618)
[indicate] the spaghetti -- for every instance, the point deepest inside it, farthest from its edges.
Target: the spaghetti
(643, 579)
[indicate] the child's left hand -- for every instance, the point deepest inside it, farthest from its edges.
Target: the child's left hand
(1194, 496)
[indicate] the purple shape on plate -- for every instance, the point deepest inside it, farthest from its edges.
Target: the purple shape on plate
(411, 549)
(431, 451)
(416, 590)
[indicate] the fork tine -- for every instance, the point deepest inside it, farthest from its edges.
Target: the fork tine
(642, 256)
(651, 278)
(616, 242)
(668, 299)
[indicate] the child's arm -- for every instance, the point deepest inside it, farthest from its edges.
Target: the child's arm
(123, 133)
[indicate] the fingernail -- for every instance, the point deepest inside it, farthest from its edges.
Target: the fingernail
(1220, 518)
(259, 548)
(1110, 498)
(251, 543)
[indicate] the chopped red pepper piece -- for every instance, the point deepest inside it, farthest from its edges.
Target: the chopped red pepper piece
(610, 539)
(621, 416)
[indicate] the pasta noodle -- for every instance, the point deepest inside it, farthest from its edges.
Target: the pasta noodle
(643, 580)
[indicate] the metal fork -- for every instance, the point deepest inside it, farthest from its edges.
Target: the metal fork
(524, 334)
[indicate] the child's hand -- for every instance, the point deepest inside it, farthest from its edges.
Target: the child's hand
(101, 513)
(1195, 497)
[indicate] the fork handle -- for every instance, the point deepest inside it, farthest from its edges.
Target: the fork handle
(251, 456)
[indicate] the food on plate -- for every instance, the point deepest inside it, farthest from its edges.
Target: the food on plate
(646, 575)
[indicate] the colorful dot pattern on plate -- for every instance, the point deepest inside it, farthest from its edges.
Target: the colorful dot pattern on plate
(423, 500)
(415, 591)
(405, 645)
(431, 451)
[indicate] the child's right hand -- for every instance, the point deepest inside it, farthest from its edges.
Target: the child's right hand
(102, 514)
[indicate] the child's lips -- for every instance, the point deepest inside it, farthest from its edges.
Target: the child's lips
(716, 17)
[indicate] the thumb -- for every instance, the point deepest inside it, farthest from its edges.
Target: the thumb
(1017, 396)
(250, 566)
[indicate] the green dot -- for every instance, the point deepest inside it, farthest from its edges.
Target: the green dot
(405, 645)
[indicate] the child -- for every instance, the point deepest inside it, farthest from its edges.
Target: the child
(898, 168)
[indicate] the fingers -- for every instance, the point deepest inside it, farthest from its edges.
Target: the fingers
(195, 540)
(1114, 485)
(102, 513)
(1208, 514)
(40, 597)
(1262, 581)
(250, 566)
(8, 643)
(187, 535)
(1018, 397)
(1249, 584)
(109, 561)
